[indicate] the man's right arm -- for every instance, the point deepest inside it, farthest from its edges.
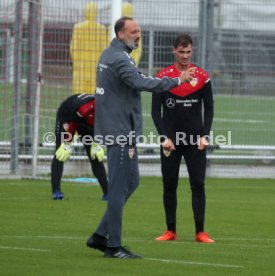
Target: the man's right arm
(130, 75)
(166, 143)
(156, 114)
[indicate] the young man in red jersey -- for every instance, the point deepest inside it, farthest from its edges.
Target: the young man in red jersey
(184, 116)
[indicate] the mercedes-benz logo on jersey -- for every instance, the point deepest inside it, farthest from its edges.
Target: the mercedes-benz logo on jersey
(170, 102)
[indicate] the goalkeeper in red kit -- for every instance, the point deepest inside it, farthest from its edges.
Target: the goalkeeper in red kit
(184, 116)
(76, 114)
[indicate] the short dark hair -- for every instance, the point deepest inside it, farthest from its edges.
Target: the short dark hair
(183, 40)
(120, 24)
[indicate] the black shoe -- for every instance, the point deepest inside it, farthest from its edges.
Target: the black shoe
(97, 242)
(121, 253)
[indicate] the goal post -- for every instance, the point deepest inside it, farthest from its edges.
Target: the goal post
(38, 89)
(14, 161)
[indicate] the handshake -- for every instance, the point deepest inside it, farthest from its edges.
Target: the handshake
(64, 152)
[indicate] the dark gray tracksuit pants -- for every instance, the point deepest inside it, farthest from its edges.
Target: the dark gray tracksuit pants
(123, 180)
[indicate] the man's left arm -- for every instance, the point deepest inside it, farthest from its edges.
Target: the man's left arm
(208, 104)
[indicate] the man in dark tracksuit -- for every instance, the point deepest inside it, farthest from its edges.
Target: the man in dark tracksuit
(118, 121)
(76, 113)
(177, 114)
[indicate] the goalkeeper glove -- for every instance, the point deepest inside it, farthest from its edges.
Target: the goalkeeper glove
(64, 152)
(97, 152)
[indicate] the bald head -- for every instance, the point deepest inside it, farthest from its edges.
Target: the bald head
(128, 31)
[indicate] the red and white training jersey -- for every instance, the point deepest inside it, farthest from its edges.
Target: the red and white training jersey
(187, 88)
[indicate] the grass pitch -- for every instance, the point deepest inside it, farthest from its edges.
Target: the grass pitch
(40, 236)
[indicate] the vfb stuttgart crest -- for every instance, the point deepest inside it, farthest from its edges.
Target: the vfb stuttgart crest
(66, 126)
(131, 152)
(194, 82)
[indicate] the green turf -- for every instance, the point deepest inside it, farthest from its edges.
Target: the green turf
(40, 236)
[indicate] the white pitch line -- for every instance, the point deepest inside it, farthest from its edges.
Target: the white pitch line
(131, 239)
(246, 239)
(238, 120)
(193, 263)
(22, 198)
(45, 237)
(250, 245)
(25, 249)
(191, 241)
(227, 120)
(186, 239)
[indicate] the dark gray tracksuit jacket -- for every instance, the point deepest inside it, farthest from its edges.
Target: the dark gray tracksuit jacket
(118, 102)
